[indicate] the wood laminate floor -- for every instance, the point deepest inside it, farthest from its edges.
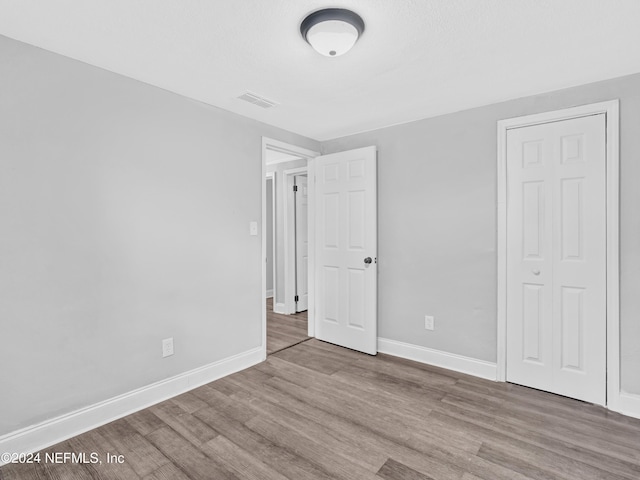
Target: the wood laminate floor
(317, 411)
(283, 331)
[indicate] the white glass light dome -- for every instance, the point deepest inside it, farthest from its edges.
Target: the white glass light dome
(332, 32)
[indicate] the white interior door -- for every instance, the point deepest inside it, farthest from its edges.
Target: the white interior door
(302, 242)
(346, 249)
(556, 257)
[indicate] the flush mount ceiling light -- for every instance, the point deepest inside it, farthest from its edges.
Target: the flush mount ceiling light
(332, 31)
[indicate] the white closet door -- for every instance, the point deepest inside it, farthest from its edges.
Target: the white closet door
(556, 257)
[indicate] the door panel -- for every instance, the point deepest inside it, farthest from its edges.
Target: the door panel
(571, 197)
(532, 303)
(533, 224)
(572, 318)
(346, 234)
(556, 257)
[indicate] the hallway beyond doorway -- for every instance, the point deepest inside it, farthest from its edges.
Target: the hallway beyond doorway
(284, 331)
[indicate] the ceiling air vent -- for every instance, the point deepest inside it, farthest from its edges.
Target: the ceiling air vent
(257, 100)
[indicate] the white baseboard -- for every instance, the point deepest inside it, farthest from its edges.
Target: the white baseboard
(451, 361)
(628, 404)
(50, 432)
(280, 308)
(270, 293)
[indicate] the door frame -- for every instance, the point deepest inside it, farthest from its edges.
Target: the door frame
(271, 177)
(611, 110)
(283, 147)
(290, 238)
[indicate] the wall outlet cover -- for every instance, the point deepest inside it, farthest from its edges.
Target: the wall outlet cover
(167, 347)
(429, 322)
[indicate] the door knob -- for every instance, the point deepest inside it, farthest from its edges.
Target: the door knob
(536, 271)
(367, 260)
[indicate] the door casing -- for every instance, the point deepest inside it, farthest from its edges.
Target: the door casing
(277, 146)
(611, 110)
(270, 177)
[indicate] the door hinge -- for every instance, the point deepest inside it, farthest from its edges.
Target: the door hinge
(296, 298)
(295, 188)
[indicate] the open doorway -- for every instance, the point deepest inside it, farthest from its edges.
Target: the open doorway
(286, 322)
(285, 245)
(342, 242)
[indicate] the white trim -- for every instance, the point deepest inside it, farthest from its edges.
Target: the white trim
(286, 159)
(276, 145)
(311, 221)
(50, 432)
(628, 404)
(501, 250)
(290, 237)
(282, 147)
(613, 255)
(295, 171)
(611, 110)
(279, 308)
(438, 358)
(271, 176)
(263, 248)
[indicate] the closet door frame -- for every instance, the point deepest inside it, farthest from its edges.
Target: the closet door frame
(611, 110)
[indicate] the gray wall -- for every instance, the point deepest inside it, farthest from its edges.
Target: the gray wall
(125, 215)
(437, 222)
(269, 233)
(279, 169)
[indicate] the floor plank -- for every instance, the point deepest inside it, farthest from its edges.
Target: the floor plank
(183, 423)
(187, 457)
(282, 460)
(95, 441)
(167, 472)
(143, 457)
(393, 470)
(243, 462)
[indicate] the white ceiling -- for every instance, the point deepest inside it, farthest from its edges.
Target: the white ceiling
(416, 59)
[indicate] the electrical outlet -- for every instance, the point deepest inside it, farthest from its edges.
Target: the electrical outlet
(253, 228)
(167, 347)
(429, 322)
